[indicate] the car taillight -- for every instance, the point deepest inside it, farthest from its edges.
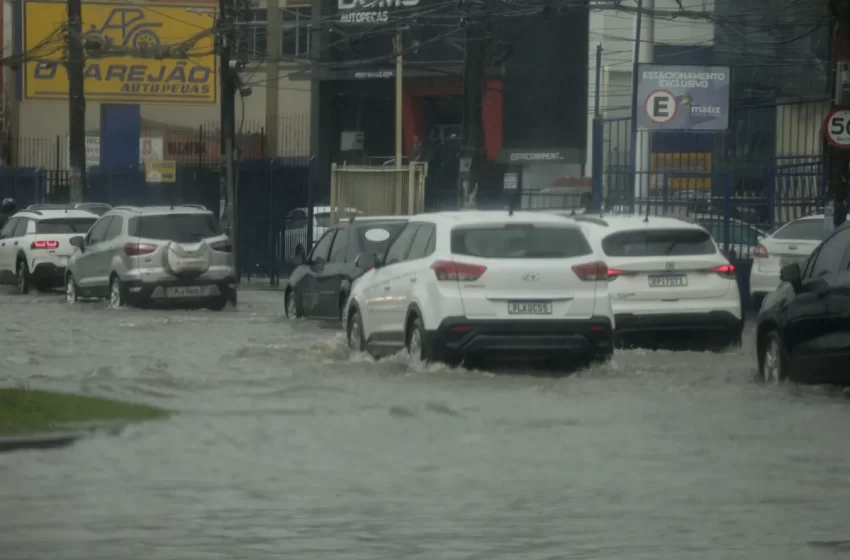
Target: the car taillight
(222, 246)
(591, 271)
(725, 270)
(137, 249)
(462, 272)
(44, 244)
(760, 252)
(613, 273)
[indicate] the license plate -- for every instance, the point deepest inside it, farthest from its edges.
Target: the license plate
(529, 307)
(668, 280)
(184, 291)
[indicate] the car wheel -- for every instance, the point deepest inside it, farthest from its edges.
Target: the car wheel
(23, 278)
(416, 341)
(44, 287)
(773, 359)
(70, 290)
(291, 302)
(116, 292)
(354, 332)
(217, 304)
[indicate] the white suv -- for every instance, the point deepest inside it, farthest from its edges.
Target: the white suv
(35, 246)
(668, 279)
(460, 285)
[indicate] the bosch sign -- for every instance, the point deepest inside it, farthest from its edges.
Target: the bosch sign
(370, 11)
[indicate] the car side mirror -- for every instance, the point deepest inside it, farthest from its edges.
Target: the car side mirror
(791, 273)
(79, 242)
(318, 262)
(366, 261)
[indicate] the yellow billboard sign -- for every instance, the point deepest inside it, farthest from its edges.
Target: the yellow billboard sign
(145, 52)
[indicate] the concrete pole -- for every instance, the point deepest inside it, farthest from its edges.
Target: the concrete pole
(273, 52)
(399, 91)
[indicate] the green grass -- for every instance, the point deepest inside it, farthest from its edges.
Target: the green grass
(23, 411)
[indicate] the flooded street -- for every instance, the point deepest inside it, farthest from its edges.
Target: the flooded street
(284, 446)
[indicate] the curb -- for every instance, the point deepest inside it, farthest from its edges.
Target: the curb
(39, 441)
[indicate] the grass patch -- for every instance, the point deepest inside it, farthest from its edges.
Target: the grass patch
(24, 411)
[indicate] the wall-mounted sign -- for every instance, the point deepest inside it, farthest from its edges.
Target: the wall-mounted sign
(371, 11)
(683, 97)
(127, 67)
(150, 148)
(161, 171)
(543, 155)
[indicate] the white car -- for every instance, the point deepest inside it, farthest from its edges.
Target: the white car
(792, 243)
(455, 286)
(295, 229)
(668, 279)
(35, 247)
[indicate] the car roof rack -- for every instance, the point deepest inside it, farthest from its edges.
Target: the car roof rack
(127, 208)
(198, 206)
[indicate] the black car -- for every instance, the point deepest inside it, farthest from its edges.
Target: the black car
(803, 328)
(319, 287)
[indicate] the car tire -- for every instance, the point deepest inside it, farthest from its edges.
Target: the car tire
(354, 332)
(293, 309)
(217, 304)
(22, 275)
(415, 341)
(117, 293)
(773, 359)
(71, 289)
(43, 287)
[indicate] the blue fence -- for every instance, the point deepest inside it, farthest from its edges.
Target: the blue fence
(267, 190)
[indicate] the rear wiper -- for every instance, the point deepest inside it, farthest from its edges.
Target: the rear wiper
(671, 247)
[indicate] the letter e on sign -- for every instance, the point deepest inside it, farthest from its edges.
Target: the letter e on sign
(660, 106)
(836, 127)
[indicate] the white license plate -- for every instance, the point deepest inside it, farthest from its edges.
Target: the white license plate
(785, 261)
(668, 280)
(184, 291)
(529, 307)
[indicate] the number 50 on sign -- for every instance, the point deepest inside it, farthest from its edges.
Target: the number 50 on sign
(836, 127)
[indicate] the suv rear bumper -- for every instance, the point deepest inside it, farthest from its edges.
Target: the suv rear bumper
(461, 337)
(158, 291)
(48, 273)
(629, 323)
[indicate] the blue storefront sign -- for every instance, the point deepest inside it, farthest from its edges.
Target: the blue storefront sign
(683, 97)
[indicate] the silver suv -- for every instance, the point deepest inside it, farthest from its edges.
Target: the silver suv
(162, 254)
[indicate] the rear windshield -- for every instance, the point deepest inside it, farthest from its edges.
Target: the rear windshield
(740, 234)
(658, 243)
(519, 241)
(375, 238)
(182, 228)
(64, 225)
(807, 230)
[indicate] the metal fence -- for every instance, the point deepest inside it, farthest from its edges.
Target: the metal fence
(378, 190)
(199, 145)
(771, 155)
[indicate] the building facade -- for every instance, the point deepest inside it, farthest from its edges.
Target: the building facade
(534, 103)
(173, 104)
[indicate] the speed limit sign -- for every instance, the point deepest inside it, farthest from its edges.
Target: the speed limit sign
(837, 128)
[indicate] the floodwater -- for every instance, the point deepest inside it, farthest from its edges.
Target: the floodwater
(286, 446)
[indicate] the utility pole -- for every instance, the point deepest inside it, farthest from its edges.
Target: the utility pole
(226, 39)
(598, 137)
(646, 54)
(273, 51)
(399, 91)
(477, 42)
(76, 101)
